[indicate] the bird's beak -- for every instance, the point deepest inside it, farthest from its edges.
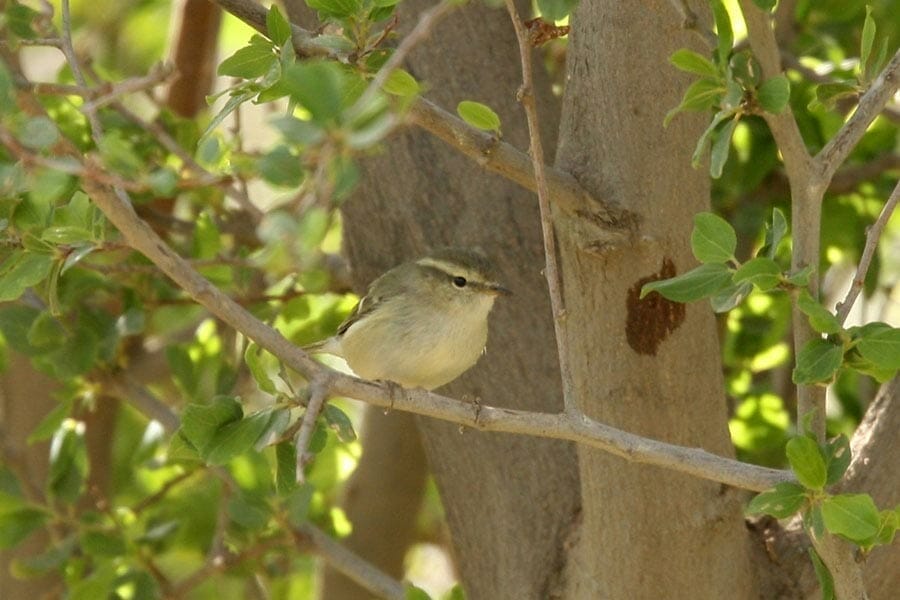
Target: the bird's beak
(498, 290)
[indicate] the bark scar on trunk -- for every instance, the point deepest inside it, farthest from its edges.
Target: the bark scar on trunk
(652, 319)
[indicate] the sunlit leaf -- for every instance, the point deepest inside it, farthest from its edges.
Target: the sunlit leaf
(807, 462)
(478, 115)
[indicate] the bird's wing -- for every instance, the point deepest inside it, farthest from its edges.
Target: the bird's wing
(365, 306)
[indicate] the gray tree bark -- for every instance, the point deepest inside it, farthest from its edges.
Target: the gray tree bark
(650, 367)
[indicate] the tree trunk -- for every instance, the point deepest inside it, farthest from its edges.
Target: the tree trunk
(510, 500)
(650, 367)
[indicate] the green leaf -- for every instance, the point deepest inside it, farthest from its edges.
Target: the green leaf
(401, 83)
(478, 115)
(775, 232)
(163, 181)
(781, 502)
(881, 346)
(745, 70)
(68, 462)
(249, 62)
(278, 423)
(17, 525)
(297, 503)
(730, 297)
(337, 9)
(97, 543)
(318, 87)
(853, 516)
(866, 41)
(297, 131)
(765, 4)
(817, 362)
(415, 593)
(692, 62)
(250, 512)
(828, 94)
(707, 134)
(837, 458)
(19, 19)
(555, 10)
(20, 271)
(763, 272)
(807, 462)
(119, 153)
(38, 133)
(230, 106)
(99, 584)
(826, 581)
(713, 239)
(701, 95)
(801, 278)
(774, 93)
(51, 422)
(200, 422)
(51, 559)
(277, 26)
(820, 318)
(285, 468)
(702, 282)
(280, 167)
(237, 437)
(7, 91)
(720, 148)
(339, 422)
(723, 30)
(258, 369)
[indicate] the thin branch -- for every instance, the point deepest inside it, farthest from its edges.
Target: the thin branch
(551, 268)
(318, 392)
(872, 237)
(870, 106)
(72, 58)
(691, 22)
(157, 75)
(351, 565)
(612, 222)
(635, 448)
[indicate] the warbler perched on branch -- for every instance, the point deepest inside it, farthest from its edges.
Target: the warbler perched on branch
(421, 324)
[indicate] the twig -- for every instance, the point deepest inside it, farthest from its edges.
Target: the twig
(551, 269)
(635, 448)
(69, 50)
(351, 565)
(505, 159)
(162, 492)
(156, 76)
(690, 22)
(142, 399)
(870, 106)
(872, 237)
(318, 391)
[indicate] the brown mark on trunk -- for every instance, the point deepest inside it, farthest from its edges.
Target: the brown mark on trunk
(652, 319)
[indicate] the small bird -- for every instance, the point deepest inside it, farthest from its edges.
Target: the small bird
(421, 324)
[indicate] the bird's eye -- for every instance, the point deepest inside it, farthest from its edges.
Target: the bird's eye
(459, 282)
